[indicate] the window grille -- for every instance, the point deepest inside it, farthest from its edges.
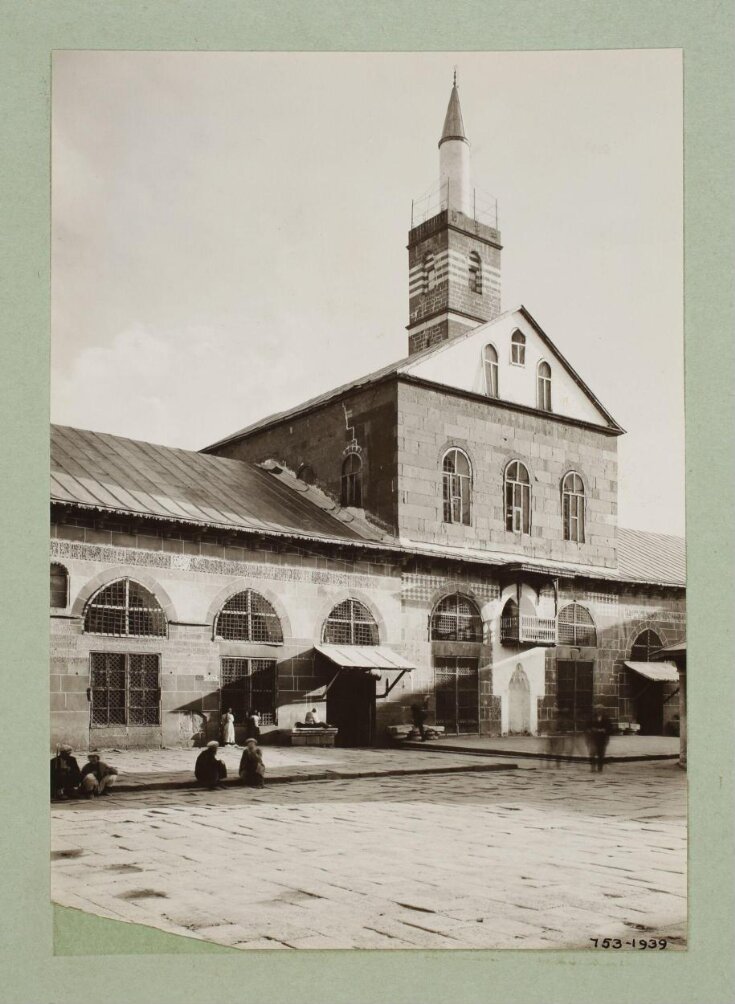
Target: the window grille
(249, 684)
(248, 616)
(575, 626)
(518, 349)
(544, 386)
(456, 618)
(456, 476)
(645, 646)
(126, 689)
(59, 586)
(517, 498)
(352, 481)
(125, 608)
(475, 273)
(490, 366)
(350, 623)
(572, 504)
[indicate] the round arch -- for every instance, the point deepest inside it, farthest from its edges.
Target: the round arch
(330, 602)
(233, 588)
(458, 616)
(110, 575)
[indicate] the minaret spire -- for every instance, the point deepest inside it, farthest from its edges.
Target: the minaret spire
(454, 158)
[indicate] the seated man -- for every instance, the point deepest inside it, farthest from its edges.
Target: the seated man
(65, 776)
(97, 777)
(208, 769)
(311, 721)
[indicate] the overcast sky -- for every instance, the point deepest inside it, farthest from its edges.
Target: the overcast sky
(229, 232)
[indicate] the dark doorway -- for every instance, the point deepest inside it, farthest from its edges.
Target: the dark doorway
(648, 701)
(574, 697)
(457, 696)
(351, 707)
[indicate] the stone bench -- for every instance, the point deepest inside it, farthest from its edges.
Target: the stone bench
(312, 737)
(398, 733)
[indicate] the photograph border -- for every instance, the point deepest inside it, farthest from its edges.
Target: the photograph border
(30, 926)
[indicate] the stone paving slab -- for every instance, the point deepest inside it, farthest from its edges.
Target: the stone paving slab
(620, 749)
(468, 860)
(163, 769)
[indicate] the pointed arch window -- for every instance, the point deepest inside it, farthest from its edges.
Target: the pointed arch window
(350, 623)
(352, 481)
(475, 273)
(572, 507)
(456, 618)
(429, 272)
(645, 647)
(575, 626)
(124, 609)
(490, 368)
(457, 487)
(543, 386)
(59, 586)
(248, 616)
(518, 349)
(517, 498)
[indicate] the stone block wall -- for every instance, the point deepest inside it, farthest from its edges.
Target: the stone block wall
(430, 421)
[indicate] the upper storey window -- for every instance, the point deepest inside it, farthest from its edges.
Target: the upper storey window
(517, 498)
(59, 585)
(457, 479)
(350, 623)
(518, 349)
(248, 616)
(646, 645)
(475, 273)
(429, 272)
(125, 608)
(490, 367)
(456, 618)
(572, 507)
(544, 386)
(352, 481)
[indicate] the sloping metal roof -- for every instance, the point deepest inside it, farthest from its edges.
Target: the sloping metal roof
(453, 124)
(364, 657)
(651, 557)
(105, 472)
(659, 672)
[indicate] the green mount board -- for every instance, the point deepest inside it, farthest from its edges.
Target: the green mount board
(79, 933)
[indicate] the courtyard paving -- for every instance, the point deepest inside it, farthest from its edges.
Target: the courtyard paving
(538, 857)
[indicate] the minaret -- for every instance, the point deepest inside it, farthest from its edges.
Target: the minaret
(453, 247)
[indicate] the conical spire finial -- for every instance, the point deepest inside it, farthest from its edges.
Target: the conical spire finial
(453, 124)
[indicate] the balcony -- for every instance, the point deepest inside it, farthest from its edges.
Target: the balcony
(526, 629)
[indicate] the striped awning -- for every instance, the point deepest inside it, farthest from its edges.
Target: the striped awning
(364, 657)
(660, 672)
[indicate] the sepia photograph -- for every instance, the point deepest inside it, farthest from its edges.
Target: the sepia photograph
(367, 556)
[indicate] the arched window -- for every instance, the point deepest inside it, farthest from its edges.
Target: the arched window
(518, 349)
(645, 646)
(457, 478)
(490, 368)
(456, 618)
(352, 480)
(575, 626)
(475, 273)
(429, 272)
(59, 585)
(350, 623)
(517, 498)
(572, 507)
(306, 474)
(544, 386)
(124, 608)
(248, 616)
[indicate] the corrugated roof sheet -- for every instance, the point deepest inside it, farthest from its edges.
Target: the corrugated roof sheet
(111, 473)
(365, 657)
(659, 672)
(651, 557)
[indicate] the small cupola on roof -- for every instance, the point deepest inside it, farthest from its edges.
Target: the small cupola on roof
(453, 245)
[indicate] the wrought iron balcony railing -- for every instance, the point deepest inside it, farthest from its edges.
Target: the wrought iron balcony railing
(527, 629)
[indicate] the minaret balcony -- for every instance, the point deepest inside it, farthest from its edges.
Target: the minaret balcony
(526, 629)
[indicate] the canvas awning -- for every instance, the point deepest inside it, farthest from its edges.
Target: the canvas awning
(659, 672)
(365, 657)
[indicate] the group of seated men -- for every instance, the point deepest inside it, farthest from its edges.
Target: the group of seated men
(68, 781)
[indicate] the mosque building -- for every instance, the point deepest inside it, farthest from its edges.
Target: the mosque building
(443, 528)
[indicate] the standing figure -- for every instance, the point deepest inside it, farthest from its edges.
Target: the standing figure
(65, 775)
(598, 736)
(208, 769)
(228, 728)
(252, 725)
(419, 713)
(97, 777)
(252, 769)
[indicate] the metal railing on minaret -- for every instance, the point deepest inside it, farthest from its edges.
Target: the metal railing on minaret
(436, 200)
